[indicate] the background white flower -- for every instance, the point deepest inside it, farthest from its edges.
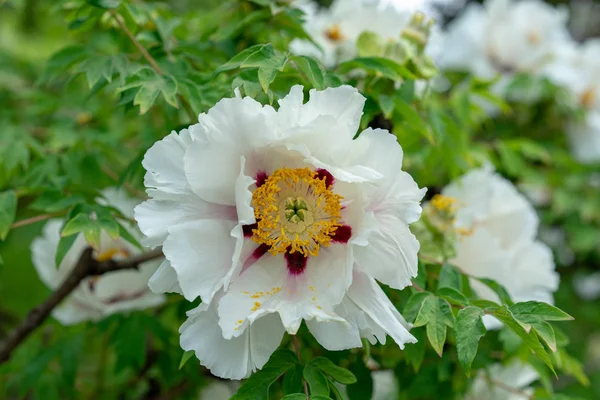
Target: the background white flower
(338, 28)
(96, 297)
(501, 382)
(275, 217)
(500, 227)
(577, 68)
(504, 37)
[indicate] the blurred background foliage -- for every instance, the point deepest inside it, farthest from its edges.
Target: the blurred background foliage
(80, 105)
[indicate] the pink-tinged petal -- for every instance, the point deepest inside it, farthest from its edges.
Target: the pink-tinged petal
(268, 287)
(236, 358)
(200, 252)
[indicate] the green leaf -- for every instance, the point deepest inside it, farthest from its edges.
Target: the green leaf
(531, 311)
(415, 352)
(257, 386)
(450, 278)
(546, 333)
(339, 374)
(149, 85)
(106, 4)
(571, 366)
(314, 72)
(294, 396)
(185, 358)
(387, 104)
(317, 381)
(64, 245)
(363, 389)
(292, 381)
(453, 296)
(437, 315)
(248, 57)
(337, 394)
(379, 66)
(8, 211)
(55, 200)
(498, 289)
(413, 305)
(414, 119)
(468, 331)
(524, 331)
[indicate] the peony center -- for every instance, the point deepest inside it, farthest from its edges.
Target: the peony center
(296, 211)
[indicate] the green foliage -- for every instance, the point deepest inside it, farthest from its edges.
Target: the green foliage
(81, 104)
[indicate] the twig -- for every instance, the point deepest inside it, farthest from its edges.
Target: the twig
(417, 287)
(86, 266)
(297, 348)
(509, 388)
(430, 260)
(186, 106)
(33, 220)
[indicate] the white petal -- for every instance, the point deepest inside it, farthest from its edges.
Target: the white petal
(532, 272)
(488, 200)
(234, 128)
(390, 256)
(267, 287)
(340, 335)
(43, 253)
(154, 217)
(243, 196)
(164, 279)
(200, 252)
(230, 359)
(344, 103)
(163, 162)
(370, 299)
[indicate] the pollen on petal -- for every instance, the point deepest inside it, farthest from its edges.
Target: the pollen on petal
(342, 234)
(296, 262)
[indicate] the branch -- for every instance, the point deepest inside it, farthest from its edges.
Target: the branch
(33, 220)
(86, 266)
(188, 109)
(297, 348)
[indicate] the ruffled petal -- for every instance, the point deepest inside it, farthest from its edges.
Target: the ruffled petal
(234, 127)
(236, 358)
(154, 217)
(267, 287)
(200, 252)
(370, 299)
(164, 279)
(390, 256)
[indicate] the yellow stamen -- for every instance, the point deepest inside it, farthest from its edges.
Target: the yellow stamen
(334, 33)
(443, 203)
(111, 253)
(295, 212)
(588, 98)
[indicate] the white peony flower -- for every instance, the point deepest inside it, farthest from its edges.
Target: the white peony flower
(499, 227)
(504, 37)
(274, 217)
(96, 297)
(578, 70)
(338, 28)
(500, 382)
